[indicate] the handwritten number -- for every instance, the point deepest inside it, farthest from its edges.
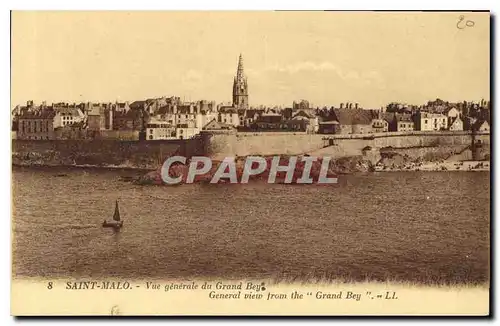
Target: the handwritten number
(460, 19)
(49, 286)
(461, 25)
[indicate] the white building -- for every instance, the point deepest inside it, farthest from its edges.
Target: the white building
(481, 125)
(183, 131)
(431, 121)
(202, 119)
(67, 115)
(452, 113)
(181, 120)
(229, 115)
(456, 124)
(160, 130)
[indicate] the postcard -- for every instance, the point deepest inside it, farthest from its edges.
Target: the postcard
(250, 163)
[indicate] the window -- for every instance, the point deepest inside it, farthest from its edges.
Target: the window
(425, 121)
(150, 137)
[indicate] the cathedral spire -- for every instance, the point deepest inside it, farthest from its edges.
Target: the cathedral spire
(240, 73)
(240, 87)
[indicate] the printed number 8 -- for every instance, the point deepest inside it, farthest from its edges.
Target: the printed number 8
(49, 286)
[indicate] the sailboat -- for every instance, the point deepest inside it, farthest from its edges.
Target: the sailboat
(116, 222)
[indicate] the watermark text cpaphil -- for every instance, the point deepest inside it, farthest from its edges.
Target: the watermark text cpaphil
(292, 169)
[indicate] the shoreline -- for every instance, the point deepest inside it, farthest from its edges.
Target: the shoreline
(81, 167)
(443, 166)
(454, 166)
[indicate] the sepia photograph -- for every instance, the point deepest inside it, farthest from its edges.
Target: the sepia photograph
(250, 162)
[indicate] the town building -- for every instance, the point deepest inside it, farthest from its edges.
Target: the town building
(456, 124)
(268, 121)
(229, 115)
(121, 107)
(301, 105)
(401, 122)
(37, 125)
(380, 125)
(249, 117)
(204, 117)
(185, 114)
(100, 117)
(481, 125)
(452, 112)
(132, 120)
(304, 120)
(67, 115)
(17, 111)
(350, 120)
(185, 131)
(160, 130)
(328, 127)
(431, 121)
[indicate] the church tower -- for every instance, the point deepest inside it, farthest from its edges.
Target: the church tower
(240, 87)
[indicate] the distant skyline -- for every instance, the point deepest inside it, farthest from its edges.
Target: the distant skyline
(323, 57)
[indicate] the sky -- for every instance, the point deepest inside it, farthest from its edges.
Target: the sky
(324, 57)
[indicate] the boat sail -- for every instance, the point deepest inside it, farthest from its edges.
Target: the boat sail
(116, 222)
(116, 216)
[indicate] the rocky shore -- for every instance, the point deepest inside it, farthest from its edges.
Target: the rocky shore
(371, 161)
(346, 165)
(393, 161)
(181, 170)
(468, 166)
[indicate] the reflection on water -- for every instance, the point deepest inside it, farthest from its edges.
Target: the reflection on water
(420, 226)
